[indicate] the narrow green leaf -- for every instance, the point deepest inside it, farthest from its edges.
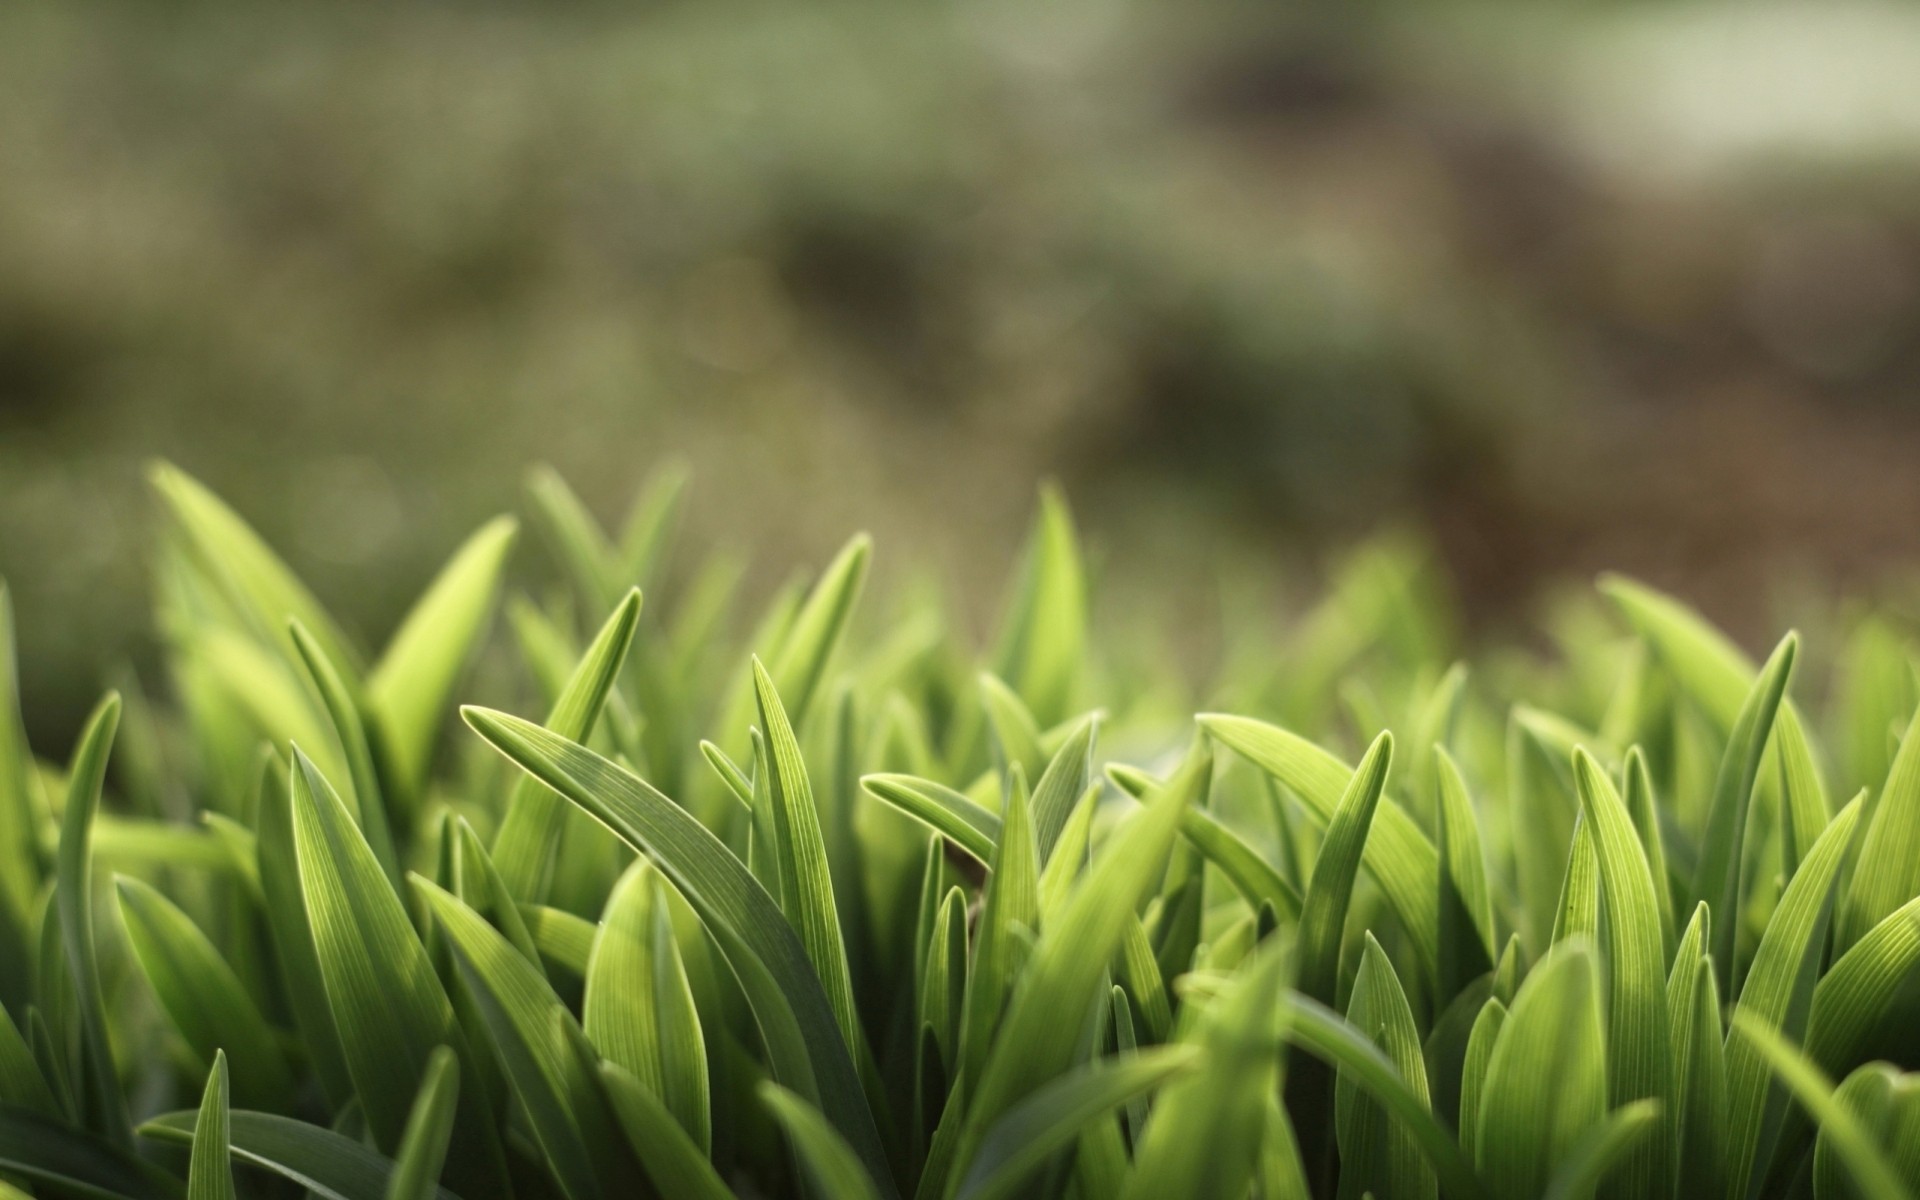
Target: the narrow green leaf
(970, 826)
(1708, 666)
(22, 1085)
(1009, 918)
(20, 866)
(1465, 914)
(1636, 1006)
(103, 1108)
(324, 1163)
(1473, 1072)
(832, 1165)
(202, 996)
(1377, 1153)
(73, 1162)
(1323, 914)
(564, 939)
(1887, 873)
(1063, 870)
(343, 709)
(809, 642)
(528, 844)
(1645, 811)
(575, 538)
(1016, 733)
(409, 687)
(1699, 1063)
(423, 1147)
(677, 1167)
(209, 1171)
(1043, 635)
(1599, 1154)
(1061, 786)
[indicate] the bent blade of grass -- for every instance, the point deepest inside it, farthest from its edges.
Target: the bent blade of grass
(1323, 914)
(423, 1147)
(829, 1162)
(972, 827)
(103, 1107)
(1887, 873)
(1596, 1156)
(1637, 1040)
(528, 843)
(210, 1168)
(408, 689)
(677, 1167)
(807, 1052)
(1778, 991)
(1869, 1094)
(1850, 1140)
(1856, 997)
(324, 1163)
(343, 710)
(1398, 855)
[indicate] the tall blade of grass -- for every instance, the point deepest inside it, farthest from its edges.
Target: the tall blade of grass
(639, 1010)
(830, 1163)
(201, 995)
(1636, 1004)
(528, 844)
(1779, 992)
(807, 647)
(387, 1003)
(1048, 1121)
(1204, 1137)
(1857, 995)
(1887, 873)
(20, 868)
(1044, 632)
(1598, 1155)
(1062, 784)
(943, 979)
(1698, 1063)
(103, 1107)
(1062, 871)
(343, 709)
(677, 1167)
(1717, 880)
(408, 689)
(1009, 919)
(1868, 1094)
(1546, 1083)
(1849, 1139)
(1323, 914)
(1709, 667)
(1465, 912)
(575, 538)
(1378, 1154)
(807, 1051)
(1016, 733)
(1473, 1072)
(1398, 855)
(1282, 1175)
(210, 1170)
(423, 1147)
(324, 1163)
(1805, 810)
(1644, 809)
(257, 583)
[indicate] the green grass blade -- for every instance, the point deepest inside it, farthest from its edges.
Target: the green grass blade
(1323, 914)
(72, 1162)
(1473, 1071)
(817, 629)
(210, 1170)
(202, 996)
(1009, 919)
(1043, 635)
(1778, 991)
(1717, 880)
(1465, 914)
(1377, 1153)
(1016, 733)
(829, 1162)
(22, 1085)
(1851, 1141)
(20, 865)
(797, 1020)
(1070, 857)
(1709, 667)
(1599, 1154)
(1857, 996)
(677, 1167)
(970, 826)
(1699, 1068)
(528, 844)
(409, 687)
(343, 710)
(1887, 873)
(1804, 797)
(324, 1163)
(1868, 1094)
(1398, 855)
(1062, 784)
(1636, 1006)
(103, 1107)
(1546, 1083)
(575, 538)
(423, 1147)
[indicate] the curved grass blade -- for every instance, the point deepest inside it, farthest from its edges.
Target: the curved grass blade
(575, 537)
(807, 1052)
(103, 1108)
(210, 1169)
(1708, 667)
(1637, 785)
(1009, 919)
(1870, 1094)
(1856, 997)
(1062, 784)
(1465, 914)
(564, 939)
(1473, 1071)
(1779, 991)
(292, 938)
(954, 816)
(423, 1147)
(1398, 855)
(1887, 873)
(809, 642)
(408, 689)
(528, 844)
(1637, 1041)
(1377, 1153)
(1044, 633)
(1598, 1155)
(1699, 1064)
(1323, 914)
(69, 1161)
(832, 1165)
(327, 1164)
(1850, 1140)
(343, 709)
(677, 1167)
(202, 996)
(1016, 734)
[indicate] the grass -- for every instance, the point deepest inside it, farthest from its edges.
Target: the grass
(816, 903)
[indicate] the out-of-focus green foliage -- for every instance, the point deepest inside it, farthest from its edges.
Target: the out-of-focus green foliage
(815, 901)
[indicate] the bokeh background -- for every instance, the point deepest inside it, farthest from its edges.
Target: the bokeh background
(1559, 286)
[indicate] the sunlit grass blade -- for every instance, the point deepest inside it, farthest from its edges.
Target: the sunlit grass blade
(324, 1163)
(1473, 1072)
(528, 844)
(1636, 1012)
(1600, 1153)
(808, 644)
(1009, 919)
(1887, 872)
(1323, 914)
(1856, 998)
(970, 826)
(20, 866)
(1805, 809)
(343, 709)
(1851, 1141)
(1708, 666)
(807, 1051)
(1698, 1063)
(1016, 733)
(1062, 784)
(1378, 1154)
(1637, 793)
(1398, 855)
(1718, 878)
(423, 1147)
(102, 1105)
(408, 689)
(1465, 930)
(210, 1171)
(202, 996)
(1044, 632)
(1778, 991)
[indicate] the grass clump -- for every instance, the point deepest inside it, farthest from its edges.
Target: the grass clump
(816, 904)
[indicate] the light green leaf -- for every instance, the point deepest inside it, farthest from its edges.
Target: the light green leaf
(1044, 632)
(292, 938)
(575, 538)
(1009, 919)
(1887, 873)
(209, 1171)
(832, 1165)
(1065, 780)
(1698, 1063)
(1323, 914)
(408, 689)
(1598, 1155)
(343, 709)
(970, 826)
(677, 1167)
(1465, 913)
(103, 1109)
(1377, 1153)
(1473, 1071)
(423, 1147)
(809, 642)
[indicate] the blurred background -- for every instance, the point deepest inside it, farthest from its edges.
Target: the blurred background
(1560, 286)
